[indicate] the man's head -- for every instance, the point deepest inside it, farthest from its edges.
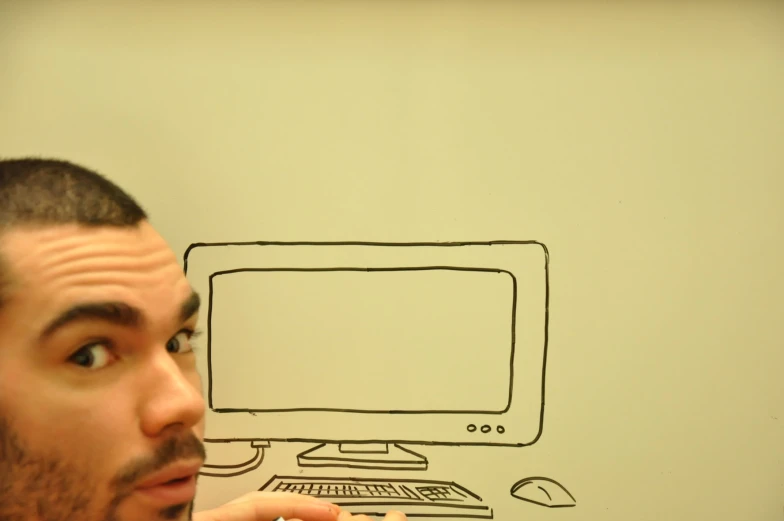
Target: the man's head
(99, 393)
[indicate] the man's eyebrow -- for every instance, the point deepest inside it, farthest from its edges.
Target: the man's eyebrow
(190, 307)
(113, 312)
(117, 313)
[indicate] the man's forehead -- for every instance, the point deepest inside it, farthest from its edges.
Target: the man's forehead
(25, 245)
(65, 260)
(74, 235)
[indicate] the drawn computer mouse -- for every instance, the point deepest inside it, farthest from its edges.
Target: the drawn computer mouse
(543, 491)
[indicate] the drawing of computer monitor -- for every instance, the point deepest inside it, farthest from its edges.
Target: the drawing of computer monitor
(368, 350)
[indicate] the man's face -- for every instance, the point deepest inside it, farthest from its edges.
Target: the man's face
(99, 393)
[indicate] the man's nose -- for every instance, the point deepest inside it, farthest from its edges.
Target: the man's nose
(172, 398)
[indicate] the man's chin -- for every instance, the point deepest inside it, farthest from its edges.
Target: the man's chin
(178, 512)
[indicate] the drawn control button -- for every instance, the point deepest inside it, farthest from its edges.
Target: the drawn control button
(472, 428)
(501, 429)
(485, 428)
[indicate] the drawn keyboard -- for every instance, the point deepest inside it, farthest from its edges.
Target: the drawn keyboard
(376, 497)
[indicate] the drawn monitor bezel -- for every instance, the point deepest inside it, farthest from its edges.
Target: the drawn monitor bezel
(518, 424)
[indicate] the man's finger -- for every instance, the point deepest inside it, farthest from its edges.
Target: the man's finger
(285, 496)
(358, 517)
(269, 510)
(395, 516)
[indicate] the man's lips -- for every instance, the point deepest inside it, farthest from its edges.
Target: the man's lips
(172, 485)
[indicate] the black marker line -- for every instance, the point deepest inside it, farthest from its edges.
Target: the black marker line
(547, 301)
(458, 491)
(546, 338)
(235, 465)
(353, 480)
(532, 480)
(209, 345)
(411, 244)
(393, 502)
(224, 410)
(360, 495)
(401, 441)
(357, 459)
(358, 466)
(447, 244)
(410, 492)
(382, 513)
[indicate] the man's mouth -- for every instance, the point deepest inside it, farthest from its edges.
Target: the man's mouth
(174, 485)
(177, 480)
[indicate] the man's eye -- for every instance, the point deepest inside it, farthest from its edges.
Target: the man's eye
(180, 343)
(93, 356)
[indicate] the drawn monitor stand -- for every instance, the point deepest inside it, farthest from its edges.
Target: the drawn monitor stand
(395, 346)
(386, 456)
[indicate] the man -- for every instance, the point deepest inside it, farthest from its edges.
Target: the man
(101, 412)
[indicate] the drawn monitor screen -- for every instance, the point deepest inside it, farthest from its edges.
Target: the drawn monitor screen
(411, 343)
(412, 340)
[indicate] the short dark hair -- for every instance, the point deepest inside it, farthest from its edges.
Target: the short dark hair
(48, 192)
(36, 191)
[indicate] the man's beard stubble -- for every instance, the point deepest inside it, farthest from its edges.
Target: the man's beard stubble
(44, 487)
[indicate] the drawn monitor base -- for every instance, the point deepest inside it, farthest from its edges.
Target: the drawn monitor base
(380, 456)
(376, 497)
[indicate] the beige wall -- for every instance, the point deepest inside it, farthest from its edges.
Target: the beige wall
(642, 144)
